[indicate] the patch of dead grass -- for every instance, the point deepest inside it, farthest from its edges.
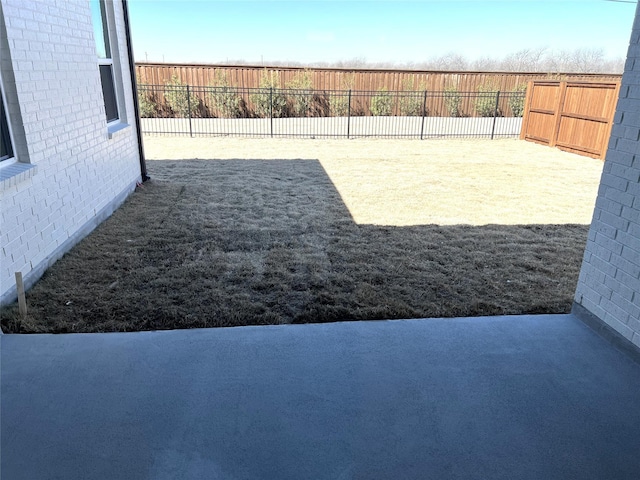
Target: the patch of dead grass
(238, 241)
(441, 182)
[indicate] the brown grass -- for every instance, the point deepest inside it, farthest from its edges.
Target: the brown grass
(266, 235)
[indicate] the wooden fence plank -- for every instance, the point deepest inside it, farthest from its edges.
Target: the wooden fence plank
(559, 110)
(527, 108)
(364, 79)
(581, 113)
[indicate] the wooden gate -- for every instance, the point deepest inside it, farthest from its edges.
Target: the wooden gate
(573, 116)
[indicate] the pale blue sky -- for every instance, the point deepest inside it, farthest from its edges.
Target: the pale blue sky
(207, 31)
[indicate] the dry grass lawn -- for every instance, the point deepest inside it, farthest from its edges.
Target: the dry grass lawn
(293, 231)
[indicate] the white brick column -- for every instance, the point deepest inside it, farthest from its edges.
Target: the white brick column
(609, 282)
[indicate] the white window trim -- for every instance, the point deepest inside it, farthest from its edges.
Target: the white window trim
(119, 124)
(109, 62)
(14, 158)
(12, 171)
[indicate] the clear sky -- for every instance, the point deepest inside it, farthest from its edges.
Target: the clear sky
(207, 31)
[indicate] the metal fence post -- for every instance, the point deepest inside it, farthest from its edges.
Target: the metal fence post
(349, 113)
(271, 108)
(424, 114)
(189, 108)
(161, 107)
(495, 114)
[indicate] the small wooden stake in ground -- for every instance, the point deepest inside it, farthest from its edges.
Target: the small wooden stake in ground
(22, 302)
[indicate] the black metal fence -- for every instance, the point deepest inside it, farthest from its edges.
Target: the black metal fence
(274, 112)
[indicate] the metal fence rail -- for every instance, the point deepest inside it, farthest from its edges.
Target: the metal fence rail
(274, 112)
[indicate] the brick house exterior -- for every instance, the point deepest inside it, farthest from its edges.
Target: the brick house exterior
(609, 284)
(71, 152)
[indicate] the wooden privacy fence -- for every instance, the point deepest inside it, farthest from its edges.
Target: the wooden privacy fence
(574, 116)
(246, 76)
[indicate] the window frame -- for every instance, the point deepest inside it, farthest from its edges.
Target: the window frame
(116, 119)
(110, 50)
(6, 133)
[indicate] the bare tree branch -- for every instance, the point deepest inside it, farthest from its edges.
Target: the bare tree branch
(539, 59)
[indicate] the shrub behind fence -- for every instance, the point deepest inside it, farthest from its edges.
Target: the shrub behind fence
(225, 110)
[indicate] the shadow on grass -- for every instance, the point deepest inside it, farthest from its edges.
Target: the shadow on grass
(252, 242)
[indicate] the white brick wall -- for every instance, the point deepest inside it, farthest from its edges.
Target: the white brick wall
(609, 283)
(54, 99)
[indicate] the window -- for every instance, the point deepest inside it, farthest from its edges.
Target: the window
(105, 59)
(6, 147)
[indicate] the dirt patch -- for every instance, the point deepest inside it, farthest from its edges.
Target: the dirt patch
(270, 232)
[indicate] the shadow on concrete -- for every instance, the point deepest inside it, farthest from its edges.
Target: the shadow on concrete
(525, 398)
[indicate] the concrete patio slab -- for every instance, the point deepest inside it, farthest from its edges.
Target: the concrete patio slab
(526, 397)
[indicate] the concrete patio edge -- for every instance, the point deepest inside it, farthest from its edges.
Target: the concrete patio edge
(606, 331)
(525, 396)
